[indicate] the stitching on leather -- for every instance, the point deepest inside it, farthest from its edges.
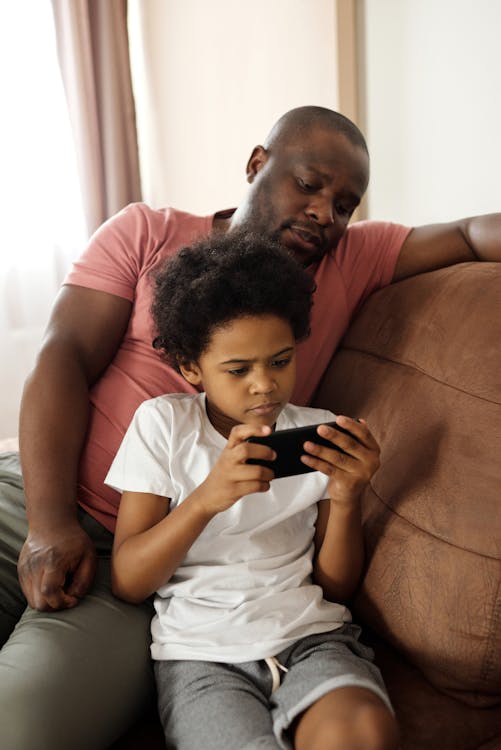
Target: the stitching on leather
(428, 533)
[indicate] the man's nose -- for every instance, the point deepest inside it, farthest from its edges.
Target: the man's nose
(320, 209)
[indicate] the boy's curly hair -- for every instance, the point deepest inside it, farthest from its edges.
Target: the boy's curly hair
(222, 278)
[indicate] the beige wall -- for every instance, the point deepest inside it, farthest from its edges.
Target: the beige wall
(212, 77)
(433, 82)
(219, 74)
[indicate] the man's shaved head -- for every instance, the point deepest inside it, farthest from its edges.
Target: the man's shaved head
(297, 123)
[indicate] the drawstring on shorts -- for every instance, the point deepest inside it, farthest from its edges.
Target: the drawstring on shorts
(274, 665)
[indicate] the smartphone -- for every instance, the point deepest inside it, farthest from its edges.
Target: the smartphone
(288, 445)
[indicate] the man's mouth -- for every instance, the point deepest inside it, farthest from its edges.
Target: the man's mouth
(305, 242)
(312, 239)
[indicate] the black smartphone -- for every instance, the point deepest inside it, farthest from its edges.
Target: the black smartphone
(288, 445)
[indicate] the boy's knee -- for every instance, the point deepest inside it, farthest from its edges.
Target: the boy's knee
(375, 727)
(372, 728)
(364, 724)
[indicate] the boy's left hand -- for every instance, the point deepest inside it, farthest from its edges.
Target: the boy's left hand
(351, 471)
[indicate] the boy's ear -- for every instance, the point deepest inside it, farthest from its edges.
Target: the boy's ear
(257, 160)
(191, 372)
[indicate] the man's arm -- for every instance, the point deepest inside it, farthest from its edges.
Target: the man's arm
(439, 245)
(58, 560)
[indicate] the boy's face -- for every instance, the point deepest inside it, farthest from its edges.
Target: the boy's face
(247, 371)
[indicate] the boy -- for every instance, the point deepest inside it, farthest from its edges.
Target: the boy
(253, 647)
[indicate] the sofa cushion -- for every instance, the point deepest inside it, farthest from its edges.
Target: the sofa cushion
(422, 363)
(430, 719)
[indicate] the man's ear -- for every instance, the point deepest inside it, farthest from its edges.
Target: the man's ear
(257, 160)
(191, 372)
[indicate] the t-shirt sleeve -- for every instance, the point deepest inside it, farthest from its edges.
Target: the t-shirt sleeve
(141, 463)
(367, 256)
(117, 252)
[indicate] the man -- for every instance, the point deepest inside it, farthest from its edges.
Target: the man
(75, 671)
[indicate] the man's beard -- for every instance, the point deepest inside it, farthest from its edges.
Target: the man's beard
(261, 221)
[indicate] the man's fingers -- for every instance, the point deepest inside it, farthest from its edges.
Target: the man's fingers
(52, 590)
(52, 580)
(83, 576)
(30, 576)
(27, 587)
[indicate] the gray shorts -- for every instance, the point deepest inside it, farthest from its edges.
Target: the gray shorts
(232, 706)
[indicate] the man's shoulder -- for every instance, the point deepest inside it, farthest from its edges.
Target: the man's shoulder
(167, 215)
(359, 231)
(369, 244)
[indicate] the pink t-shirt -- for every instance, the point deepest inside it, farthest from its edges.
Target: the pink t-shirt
(119, 260)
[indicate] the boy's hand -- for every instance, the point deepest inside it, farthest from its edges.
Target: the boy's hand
(231, 477)
(349, 472)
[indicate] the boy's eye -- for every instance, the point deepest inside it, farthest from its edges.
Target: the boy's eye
(238, 371)
(277, 363)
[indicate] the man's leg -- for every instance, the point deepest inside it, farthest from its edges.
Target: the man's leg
(71, 679)
(13, 530)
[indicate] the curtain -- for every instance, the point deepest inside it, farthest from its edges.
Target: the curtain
(42, 223)
(93, 50)
(66, 164)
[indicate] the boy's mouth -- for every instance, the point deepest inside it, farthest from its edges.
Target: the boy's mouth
(265, 408)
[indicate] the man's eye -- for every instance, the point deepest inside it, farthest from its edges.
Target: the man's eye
(344, 210)
(304, 185)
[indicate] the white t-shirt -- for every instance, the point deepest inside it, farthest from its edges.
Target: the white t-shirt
(244, 590)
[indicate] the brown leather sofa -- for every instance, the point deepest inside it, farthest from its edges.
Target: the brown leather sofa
(422, 363)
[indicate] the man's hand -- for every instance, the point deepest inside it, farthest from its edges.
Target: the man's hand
(231, 477)
(57, 567)
(349, 472)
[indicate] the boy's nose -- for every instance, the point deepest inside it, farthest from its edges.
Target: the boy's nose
(263, 383)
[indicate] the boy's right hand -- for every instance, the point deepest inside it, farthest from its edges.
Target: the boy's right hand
(231, 477)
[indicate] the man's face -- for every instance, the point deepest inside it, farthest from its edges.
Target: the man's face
(303, 193)
(247, 371)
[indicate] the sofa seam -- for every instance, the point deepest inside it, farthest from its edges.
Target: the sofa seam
(415, 368)
(425, 531)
